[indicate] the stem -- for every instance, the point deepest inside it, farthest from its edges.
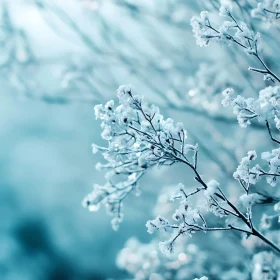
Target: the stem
(270, 134)
(265, 240)
(266, 67)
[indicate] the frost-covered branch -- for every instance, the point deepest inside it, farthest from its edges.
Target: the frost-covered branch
(265, 108)
(191, 220)
(230, 32)
(139, 138)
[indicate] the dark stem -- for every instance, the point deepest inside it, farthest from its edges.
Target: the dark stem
(270, 134)
(265, 240)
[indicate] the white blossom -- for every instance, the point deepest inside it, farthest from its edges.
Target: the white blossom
(201, 32)
(228, 33)
(138, 138)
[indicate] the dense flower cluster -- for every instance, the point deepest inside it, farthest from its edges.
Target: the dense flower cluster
(139, 138)
(248, 175)
(265, 108)
(229, 32)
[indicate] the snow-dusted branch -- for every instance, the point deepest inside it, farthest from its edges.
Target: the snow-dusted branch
(139, 138)
(265, 108)
(230, 32)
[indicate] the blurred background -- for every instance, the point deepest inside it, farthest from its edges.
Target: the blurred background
(57, 60)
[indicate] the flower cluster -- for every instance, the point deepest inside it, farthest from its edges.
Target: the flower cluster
(229, 32)
(138, 138)
(266, 108)
(249, 175)
(189, 220)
